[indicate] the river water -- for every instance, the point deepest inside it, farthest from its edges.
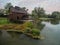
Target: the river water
(51, 32)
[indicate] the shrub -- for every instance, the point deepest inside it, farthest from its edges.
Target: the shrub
(29, 24)
(27, 30)
(36, 32)
(4, 21)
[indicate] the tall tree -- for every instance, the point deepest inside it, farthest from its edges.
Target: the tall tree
(7, 6)
(36, 14)
(40, 12)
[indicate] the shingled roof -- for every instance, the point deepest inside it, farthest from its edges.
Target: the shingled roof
(18, 9)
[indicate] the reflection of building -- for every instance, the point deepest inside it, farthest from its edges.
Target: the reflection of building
(18, 14)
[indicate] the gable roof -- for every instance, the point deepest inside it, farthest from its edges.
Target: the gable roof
(18, 9)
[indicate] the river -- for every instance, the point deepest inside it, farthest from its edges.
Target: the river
(51, 32)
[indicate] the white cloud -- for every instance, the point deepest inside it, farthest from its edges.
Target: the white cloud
(48, 5)
(30, 4)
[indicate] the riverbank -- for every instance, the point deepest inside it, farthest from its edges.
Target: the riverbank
(24, 28)
(45, 19)
(50, 32)
(19, 29)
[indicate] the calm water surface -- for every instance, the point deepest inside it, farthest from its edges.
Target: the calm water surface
(51, 32)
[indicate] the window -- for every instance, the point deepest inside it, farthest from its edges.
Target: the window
(17, 17)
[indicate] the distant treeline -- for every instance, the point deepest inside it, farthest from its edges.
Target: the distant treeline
(37, 12)
(2, 15)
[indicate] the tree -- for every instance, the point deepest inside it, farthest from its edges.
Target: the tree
(56, 14)
(40, 12)
(7, 6)
(36, 14)
(24, 8)
(1, 12)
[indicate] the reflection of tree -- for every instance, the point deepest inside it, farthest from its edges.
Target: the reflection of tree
(36, 14)
(14, 34)
(40, 26)
(54, 21)
(0, 33)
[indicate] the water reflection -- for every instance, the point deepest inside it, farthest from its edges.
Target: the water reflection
(40, 25)
(54, 21)
(14, 34)
(15, 38)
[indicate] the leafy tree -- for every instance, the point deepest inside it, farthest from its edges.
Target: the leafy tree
(36, 14)
(1, 12)
(40, 12)
(24, 8)
(56, 14)
(7, 6)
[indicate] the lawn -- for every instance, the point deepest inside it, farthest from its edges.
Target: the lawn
(6, 24)
(4, 21)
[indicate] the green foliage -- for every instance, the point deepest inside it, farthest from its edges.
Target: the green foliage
(4, 21)
(54, 21)
(30, 29)
(1, 14)
(35, 32)
(7, 6)
(27, 30)
(29, 24)
(38, 12)
(40, 26)
(56, 14)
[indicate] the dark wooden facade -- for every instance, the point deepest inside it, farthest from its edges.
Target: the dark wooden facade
(18, 14)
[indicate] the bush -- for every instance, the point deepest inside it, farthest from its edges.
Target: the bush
(29, 24)
(28, 30)
(36, 32)
(4, 21)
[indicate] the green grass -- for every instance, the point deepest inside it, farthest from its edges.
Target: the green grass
(45, 18)
(8, 26)
(4, 21)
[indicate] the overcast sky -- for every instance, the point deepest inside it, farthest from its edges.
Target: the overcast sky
(48, 5)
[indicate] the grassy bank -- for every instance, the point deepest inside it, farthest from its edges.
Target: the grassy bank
(4, 21)
(26, 28)
(45, 19)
